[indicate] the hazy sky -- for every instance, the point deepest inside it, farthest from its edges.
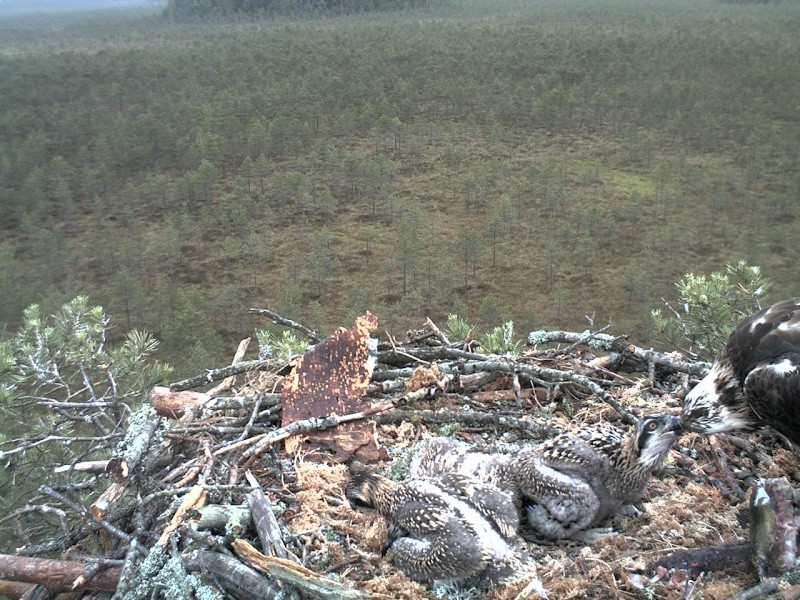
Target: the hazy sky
(8, 7)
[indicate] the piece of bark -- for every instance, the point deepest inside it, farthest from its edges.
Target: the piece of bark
(330, 379)
(193, 500)
(56, 573)
(239, 580)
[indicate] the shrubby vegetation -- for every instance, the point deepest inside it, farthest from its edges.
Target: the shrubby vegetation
(708, 308)
(528, 161)
(66, 394)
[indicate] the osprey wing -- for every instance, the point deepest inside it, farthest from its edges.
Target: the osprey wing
(772, 389)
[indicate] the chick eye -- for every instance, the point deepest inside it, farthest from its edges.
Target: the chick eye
(652, 426)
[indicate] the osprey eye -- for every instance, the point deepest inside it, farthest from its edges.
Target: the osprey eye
(652, 426)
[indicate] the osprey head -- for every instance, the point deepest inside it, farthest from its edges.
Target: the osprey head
(370, 490)
(654, 437)
(717, 404)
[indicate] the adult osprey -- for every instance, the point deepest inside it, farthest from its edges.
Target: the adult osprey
(755, 379)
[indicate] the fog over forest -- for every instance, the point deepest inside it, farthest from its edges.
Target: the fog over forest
(16, 7)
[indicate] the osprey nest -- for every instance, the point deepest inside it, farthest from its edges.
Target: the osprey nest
(238, 491)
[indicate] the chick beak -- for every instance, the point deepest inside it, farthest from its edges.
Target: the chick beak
(675, 425)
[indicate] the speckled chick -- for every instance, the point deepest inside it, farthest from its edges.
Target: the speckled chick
(439, 455)
(572, 482)
(447, 528)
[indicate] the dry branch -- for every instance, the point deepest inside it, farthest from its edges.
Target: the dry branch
(596, 340)
(226, 383)
(212, 375)
(279, 320)
(269, 532)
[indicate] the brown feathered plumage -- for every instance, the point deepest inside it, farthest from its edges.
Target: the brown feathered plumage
(755, 379)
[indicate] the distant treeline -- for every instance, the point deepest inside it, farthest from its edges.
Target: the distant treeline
(202, 8)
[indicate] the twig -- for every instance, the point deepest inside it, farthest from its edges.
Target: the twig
(535, 372)
(279, 320)
(228, 381)
(762, 589)
(213, 375)
(307, 425)
(84, 512)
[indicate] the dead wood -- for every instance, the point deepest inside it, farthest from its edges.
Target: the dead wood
(212, 375)
(14, 589)
(176, 404)
(707, 559)
(175, 487)
(279, 320)
(220, 517)
(226, 383)
(138, 445)
(62, 574)
(297, 575)
(237, 579)
(269, 532)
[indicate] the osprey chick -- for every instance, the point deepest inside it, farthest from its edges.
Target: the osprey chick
(451, 528)
(572, 482)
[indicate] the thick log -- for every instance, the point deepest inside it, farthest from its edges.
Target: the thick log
(239, 581)
(116, 490)
(269, 532)
(219, 517)
(56, 573)
(296, 574)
